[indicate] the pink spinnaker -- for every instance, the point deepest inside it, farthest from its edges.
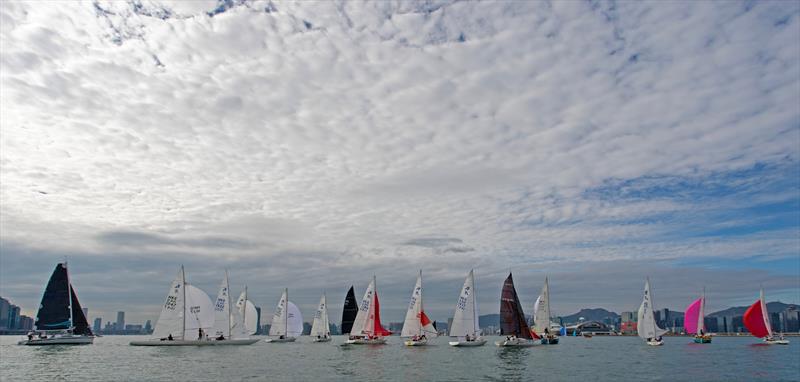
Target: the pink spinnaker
(691, 316)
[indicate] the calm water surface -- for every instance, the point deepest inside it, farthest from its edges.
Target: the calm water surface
(598, 358)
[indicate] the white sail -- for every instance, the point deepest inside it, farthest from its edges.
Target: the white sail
(250, 318)
(412, 325)
(360, 323)
(294, 320)
(320, 327)
(646, 326)
(465, 319)
(170, 321)
(238, 329)
(199, 311)
(765, 314)
(280, 317)
(542, 310)
(222, 310)
(701, 318)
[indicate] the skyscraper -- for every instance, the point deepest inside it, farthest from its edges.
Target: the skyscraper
(258, 321)
(120, 321)
(4, 306)
(98, 323)
(13, 317)
(148, 327)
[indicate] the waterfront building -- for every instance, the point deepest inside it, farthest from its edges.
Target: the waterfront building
(4, 307)
(13, 317)
(628, 317)
(25, 323)
(259, 330)
(120, 321)
(98, 322)
(148, 327)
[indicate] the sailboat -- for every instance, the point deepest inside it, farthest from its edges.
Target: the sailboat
(229, 324)
(417, 327)
(541, 321)
(287, 322)
(60, 320)
(186, 317)
(694, 320)
(367, 328)
(349, 311)
(757, 322)
(465, 320)
(320, 329)
(513, 324)
(647, 327)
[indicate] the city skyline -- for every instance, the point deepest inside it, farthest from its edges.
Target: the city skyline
(312, 145)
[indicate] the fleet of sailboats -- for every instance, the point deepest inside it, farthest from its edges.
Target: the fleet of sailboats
(694, 320)
(465, 327)
(417, 327)
(647, 327)
(189, 318)
(287, 322)
(60, 319)
(757, 321)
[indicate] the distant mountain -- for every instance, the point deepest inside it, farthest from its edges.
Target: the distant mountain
(772, 307)
(594, 314)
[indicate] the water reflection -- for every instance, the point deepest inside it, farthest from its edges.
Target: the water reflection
(513, 363)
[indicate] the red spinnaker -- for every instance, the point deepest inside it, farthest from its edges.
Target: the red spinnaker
(379, 330)
(754, 320)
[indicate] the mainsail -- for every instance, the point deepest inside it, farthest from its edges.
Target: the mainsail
(542, 310)
(186, 309)
(54, 311)
(280, 317)
(294, 320)
(465, 319)
(756, 318)
(244, 317)
(350, 311)
(417, 322)
(320, 326)
(646, 322)
(222, 310)
(368, 319)
(512, 317)
(171, 320)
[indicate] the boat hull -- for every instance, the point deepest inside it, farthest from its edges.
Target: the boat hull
(280, 340)
(58, 340)
(478, 342)
(364, 341)
(159, 342)
(415, 342)
(549, 341)
(776, 342)
(655, 343)
(520, 343)
(702, 339)
(324, 339)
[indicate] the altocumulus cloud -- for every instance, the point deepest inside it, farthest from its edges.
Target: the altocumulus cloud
(324, 142)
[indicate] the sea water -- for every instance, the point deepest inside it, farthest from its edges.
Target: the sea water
(574, 359)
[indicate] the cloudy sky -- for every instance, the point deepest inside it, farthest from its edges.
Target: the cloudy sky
(309, 145)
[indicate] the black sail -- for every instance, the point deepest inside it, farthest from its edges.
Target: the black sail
(512, 318)
(349, 312)
(54, 310)
(79, 321)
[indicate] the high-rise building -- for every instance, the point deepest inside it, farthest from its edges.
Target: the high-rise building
(4, 306)
(791, 320)
(120, 321)
(148, 327)
(628, 317)
(13, 317)
(98, 323)
(259, 330)
(25, 323)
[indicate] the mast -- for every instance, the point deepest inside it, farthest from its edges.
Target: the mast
(183, 311)
(475, 325)
(228, 292)
(652, 307)
(69, 297)
(701, 322)
(421, 306)
(765, 313)
(372, 304)
(244, 309)
(286, 313)
(547, 286)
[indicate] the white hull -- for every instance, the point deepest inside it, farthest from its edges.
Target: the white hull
(523, 343)
(280, 340)
(415, 343)
(776, 342)
(655, 343)
(478, 342)
(58, 340)
(323, 339)
(159, 342)
(364, 341)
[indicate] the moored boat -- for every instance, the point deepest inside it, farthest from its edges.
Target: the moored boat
(367, 328)
(465, 326)
(513, 324)
(647, 327)
(60, 319)
(756, 320)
